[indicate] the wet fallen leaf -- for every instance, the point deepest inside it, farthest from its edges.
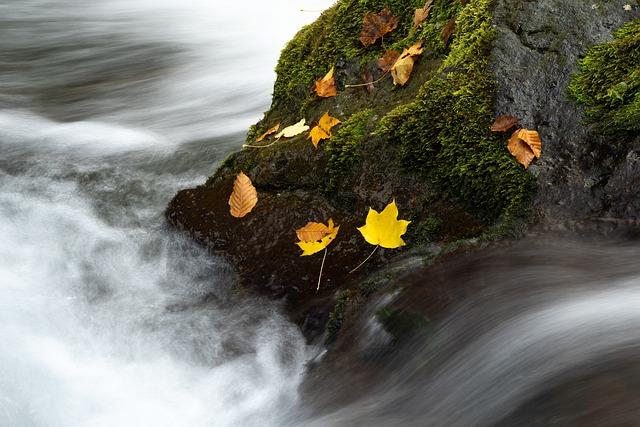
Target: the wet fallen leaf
(525, 145)
(376, 26)
(384, 229)
(326, 86)
(448, 30)
(293, 130)
(244, 196)
(323, 129)
(403, 67)
(422, 14)
(271, 131)
(388, 60)
(504, 123)
(316, 236)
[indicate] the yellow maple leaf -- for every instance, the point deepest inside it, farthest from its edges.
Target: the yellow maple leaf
(293, 130)
(326, 86)
(384, 229)
(315, 236)
(323, 129)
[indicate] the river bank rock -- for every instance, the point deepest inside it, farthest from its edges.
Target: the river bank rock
(428, 145)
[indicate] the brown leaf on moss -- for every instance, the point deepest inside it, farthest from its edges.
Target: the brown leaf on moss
(448, 30)
(403, 67)
(504, 123)
(377, 25)
(244, 196)
(388, 60)
(422, 14)
(271, 131)
(326, 86)
(323, 129)
(525, 145)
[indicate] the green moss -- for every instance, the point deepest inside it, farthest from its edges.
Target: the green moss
(336, 317)
(400, 323)
(342, 148)
(332, 39)
(444, 133)
(608, 83)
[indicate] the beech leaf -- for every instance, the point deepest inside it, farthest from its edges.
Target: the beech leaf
(403, 67)
(293, 130)
(244, 196)
(271, 131)
(525, 145)
(376, 26)
(504, 123)
(316, 236)
(422, 14)
(448, 30)
(384, 229)
(323, 129)
(326, 86)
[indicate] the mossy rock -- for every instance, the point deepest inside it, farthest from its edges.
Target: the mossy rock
(428, 145)
(608, 83)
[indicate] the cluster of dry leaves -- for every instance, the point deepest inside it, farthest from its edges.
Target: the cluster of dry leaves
(524, 144)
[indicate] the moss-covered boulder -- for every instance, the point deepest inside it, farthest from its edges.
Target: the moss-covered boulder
(427, 145)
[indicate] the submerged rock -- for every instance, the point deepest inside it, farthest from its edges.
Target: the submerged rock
(428, 144)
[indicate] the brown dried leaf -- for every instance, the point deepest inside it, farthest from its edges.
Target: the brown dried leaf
(244, 196)
(504, 123)
(388, 60)
(326, 87)
(448, 30)
(525, 145)
(271, 131)
(376, 25)
(422, 14)
(314, 231)
(403, 67)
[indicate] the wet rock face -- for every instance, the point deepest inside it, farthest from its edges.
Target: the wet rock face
(582, 174)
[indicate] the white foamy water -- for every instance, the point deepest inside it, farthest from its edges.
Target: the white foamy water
(107, 317)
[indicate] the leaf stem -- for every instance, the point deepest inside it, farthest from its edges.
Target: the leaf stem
(367, 84)
(367, 259)
(260, 146)
(321, 268)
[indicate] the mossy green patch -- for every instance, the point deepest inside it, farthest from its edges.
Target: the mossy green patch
(444, 133)
(343, 146)
(336, 317)
(608, 82)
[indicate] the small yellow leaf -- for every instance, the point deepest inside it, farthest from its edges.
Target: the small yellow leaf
(525, 145)
(323, 129)
(403, 67)
(326, 87)
(315, 236)
(293, 130)
(271, 131)
(384, 228)
(244, 196)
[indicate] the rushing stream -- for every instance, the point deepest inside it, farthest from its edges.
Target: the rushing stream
(110, 318)
(107, 109)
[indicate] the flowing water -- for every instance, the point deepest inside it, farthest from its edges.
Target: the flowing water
(107, 109)
(109, 318)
